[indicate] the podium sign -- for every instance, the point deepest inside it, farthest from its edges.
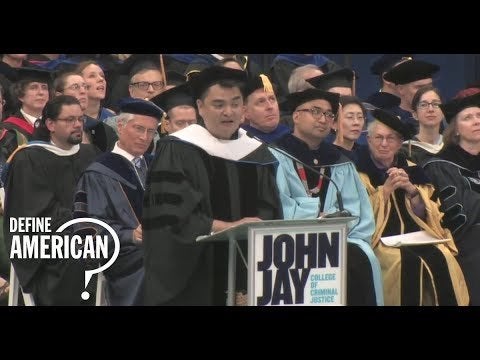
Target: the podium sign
(298, 264)
(290, 262)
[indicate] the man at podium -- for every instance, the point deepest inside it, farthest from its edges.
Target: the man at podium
(204, 180)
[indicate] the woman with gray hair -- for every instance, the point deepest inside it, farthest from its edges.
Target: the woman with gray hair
(420, 274)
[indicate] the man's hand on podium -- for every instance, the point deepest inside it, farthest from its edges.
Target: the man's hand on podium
(219, 225)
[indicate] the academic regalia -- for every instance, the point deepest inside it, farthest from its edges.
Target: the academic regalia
(101, 135)
(14, 131)
(364, 282)
(111, 191)
(455, 175)
(405, 73)
(418, 151)
(41, 183)
(9, 75)
(262, 83)
(342, 77)
(179, 62)
(284, 64)
(383, 100)
(270, 137)
(194, 179)
(408, 271)
(352, 155)
(18, 129)
(202, 61)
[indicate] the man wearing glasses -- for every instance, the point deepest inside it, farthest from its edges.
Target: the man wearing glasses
(112, 188)
(94, 132)
(40, 182)
(306, 195)
(146, 81)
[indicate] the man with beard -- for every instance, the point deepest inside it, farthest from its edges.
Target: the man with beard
(40, 182)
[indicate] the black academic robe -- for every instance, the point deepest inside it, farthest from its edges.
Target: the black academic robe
(42, 184)
(187, 189)
(14, 131)
(101, 135)
(110, 190)
(455, 174)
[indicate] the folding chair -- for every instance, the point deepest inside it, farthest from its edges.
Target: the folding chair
(28, 300)
(100, 298)
(15, 288)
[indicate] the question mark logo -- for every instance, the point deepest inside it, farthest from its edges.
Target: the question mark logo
(89, 273)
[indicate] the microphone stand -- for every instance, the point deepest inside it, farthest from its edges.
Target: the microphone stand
(342, 212)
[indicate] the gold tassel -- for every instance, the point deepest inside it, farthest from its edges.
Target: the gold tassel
(354, 85)
(162, 69)
(267, 85)
(162, 124)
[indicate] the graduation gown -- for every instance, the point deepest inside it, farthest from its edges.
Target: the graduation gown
(418, 151)
(194, 179)
(101, 135)
(412, 275)
(455, 174)
(110, 190)
(270, 137)
(41, 183)
(364, 281)
(14, 131)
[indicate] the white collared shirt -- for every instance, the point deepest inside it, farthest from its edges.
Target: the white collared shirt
(31, 119)
(118, 150)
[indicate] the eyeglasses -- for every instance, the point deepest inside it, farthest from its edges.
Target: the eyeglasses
(424, 105)
(317, 113)
(73, 119)
(378, 139)
(76, 87)
(140, 130)
(144, 85)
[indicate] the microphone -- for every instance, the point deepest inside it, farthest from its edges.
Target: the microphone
(342, 212)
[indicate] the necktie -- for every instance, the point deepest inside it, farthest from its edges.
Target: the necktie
(141, 167)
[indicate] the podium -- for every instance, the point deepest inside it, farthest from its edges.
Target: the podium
(290, 262)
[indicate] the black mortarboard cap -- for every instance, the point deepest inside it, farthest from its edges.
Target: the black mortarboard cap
(175, 78)
(298, 98)
(386, 62)
(34, 74)
(453, 107)
(258, 82)
(136, 60)
(179, 95)
(213, 75)
(410, 71)
(383, 100)
(393, 122)
(338, 78)
(140, 107)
